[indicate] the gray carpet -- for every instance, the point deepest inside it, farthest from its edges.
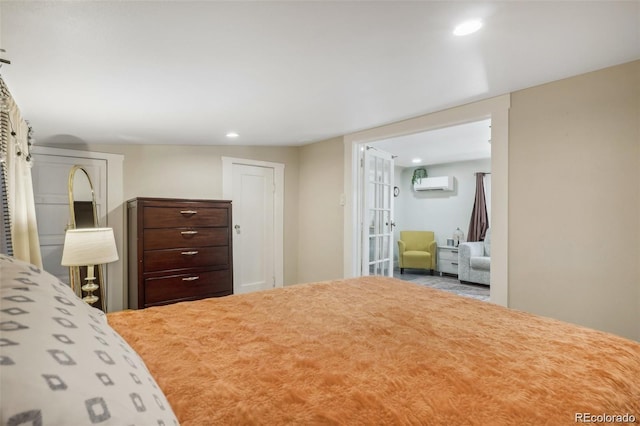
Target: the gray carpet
(446, 283)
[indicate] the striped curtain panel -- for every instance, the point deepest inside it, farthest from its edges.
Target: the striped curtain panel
(19, 227)
(5, 225)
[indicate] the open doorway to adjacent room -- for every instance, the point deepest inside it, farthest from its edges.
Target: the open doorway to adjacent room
(497, 110)
(450, 157)
(456, 153)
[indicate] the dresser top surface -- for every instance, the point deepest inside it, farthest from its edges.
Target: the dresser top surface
(448, 248)
(165, 201)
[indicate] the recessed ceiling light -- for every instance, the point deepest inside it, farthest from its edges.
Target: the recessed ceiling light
(416, 160)
(467, 27)
(232, 135)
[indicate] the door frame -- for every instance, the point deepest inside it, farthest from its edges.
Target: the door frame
(497, 109)
(117, 285)
(278, 207)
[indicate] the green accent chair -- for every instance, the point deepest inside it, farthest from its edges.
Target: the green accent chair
(417, 250)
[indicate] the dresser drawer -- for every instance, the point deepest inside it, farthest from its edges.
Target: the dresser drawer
(183, 217)
(186, 287)
(446, 254)
(192, 257)
(164, 238)
(448, 266)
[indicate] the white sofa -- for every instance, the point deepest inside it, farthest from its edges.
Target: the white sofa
(474, 261)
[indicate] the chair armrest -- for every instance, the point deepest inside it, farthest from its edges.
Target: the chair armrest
(468, 250)
(401, 246)
(433, 248)
(465, 252)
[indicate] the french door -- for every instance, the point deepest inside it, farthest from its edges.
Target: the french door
(377, 220)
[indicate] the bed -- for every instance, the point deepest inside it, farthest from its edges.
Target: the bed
(370, 350)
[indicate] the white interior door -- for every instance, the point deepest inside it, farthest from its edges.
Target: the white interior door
(50, 186)
(377, 221)
(253, 228)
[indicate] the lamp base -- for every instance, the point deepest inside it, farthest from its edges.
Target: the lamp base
(90, 299)
(90, 287)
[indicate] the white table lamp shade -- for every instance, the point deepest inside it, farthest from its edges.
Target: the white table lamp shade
(89, 246)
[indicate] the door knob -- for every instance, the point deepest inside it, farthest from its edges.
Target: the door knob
(237, 228)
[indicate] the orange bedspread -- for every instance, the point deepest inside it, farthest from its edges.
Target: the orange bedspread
(378, 351)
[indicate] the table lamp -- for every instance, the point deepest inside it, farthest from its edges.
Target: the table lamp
(89, 247)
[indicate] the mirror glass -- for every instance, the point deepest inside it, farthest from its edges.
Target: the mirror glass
(83, 214)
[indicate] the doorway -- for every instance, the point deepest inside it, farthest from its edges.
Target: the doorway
(51, 194)
(50, 179)
(497, 109)
(455, 153)
(256, 190)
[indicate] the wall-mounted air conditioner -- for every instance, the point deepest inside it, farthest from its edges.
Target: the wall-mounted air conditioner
(439, 183)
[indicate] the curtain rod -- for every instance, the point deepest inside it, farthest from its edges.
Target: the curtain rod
(482, 173)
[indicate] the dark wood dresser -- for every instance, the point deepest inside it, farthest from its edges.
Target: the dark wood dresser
(178, 250)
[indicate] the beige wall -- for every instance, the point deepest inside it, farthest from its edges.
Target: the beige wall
(196, 172)
(313, 187)
(574, 200)
(573, 197)
(320, 213)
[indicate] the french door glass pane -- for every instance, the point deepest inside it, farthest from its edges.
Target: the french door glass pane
(387, 172)
(385, 247)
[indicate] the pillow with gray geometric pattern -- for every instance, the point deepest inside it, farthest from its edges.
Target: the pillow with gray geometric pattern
(62, 364)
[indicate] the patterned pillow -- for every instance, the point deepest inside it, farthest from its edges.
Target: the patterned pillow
(63, 364)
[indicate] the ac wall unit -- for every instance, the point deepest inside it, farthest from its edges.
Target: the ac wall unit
(439, 183)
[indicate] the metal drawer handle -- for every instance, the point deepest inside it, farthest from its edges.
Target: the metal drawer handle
(189, 232)
(453, 263)
(190, 278)
(189, 253)
(188, 212)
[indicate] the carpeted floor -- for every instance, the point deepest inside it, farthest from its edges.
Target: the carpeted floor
(446, 283)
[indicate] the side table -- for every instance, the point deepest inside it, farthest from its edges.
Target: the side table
(448, 260)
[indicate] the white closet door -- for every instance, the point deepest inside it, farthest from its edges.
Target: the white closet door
(253, 228)
(50, 186)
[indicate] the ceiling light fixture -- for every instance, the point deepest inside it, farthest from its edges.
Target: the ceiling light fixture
(232, 135)
(467, 27)
(416, 160)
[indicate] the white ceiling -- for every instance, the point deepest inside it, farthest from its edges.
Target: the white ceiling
(470, 141)
(286, 73)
